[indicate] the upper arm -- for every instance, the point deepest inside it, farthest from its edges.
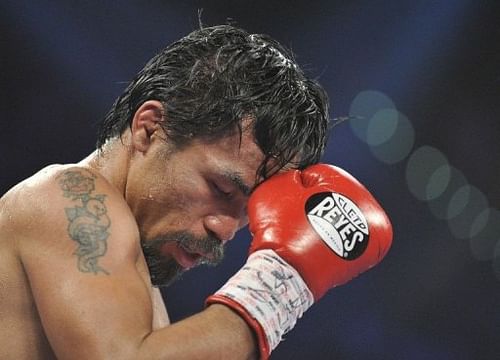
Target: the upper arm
(79, 253)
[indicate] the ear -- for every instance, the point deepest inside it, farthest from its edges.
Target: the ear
(145, 123)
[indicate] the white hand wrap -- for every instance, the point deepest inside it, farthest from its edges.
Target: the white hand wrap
(272, 292)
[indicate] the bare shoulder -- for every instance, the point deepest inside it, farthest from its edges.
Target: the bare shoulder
(67, 202)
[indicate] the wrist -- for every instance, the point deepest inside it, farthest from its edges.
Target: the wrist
(269, 294)
(236, 324)
(255, 331)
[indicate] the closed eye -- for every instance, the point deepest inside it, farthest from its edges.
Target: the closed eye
(220, 191)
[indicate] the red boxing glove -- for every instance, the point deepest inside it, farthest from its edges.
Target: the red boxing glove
(313, 230)
(323, 222)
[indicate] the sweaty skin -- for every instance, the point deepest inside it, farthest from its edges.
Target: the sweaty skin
(22, 335)
(73, 279)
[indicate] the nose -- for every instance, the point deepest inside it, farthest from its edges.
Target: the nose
(224, 227)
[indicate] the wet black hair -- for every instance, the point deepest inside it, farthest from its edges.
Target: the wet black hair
(213, 78)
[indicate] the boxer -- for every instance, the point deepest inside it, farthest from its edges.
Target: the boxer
(217, 130)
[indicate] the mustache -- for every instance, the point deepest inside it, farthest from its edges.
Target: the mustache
(209, 247)
(163, 270)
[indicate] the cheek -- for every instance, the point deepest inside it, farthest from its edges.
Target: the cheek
(171, 191)
(188, 197)
(183, 207)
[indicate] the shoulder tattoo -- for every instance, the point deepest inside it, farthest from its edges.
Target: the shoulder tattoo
(88, 220)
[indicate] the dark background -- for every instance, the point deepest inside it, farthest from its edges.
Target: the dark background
(437, 293)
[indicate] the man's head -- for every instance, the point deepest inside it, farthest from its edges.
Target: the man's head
(210, 117)
(213, 78)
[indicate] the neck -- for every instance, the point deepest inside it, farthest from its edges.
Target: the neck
(112, 161)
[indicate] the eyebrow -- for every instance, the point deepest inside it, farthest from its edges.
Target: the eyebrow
(238, 181)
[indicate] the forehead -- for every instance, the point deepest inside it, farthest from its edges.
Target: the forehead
(235, 153)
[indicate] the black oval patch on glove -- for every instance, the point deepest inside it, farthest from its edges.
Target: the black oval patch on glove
(339, 223)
